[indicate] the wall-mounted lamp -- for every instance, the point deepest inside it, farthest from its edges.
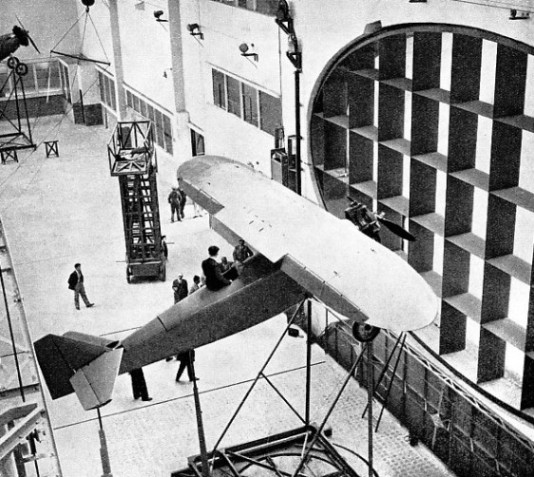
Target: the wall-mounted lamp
(194, 30)
(417, 1)
(243, 48)
(165, 72)
(519, 15)
(140, 5)
(158, 14)
(283, 18)
(293, 52)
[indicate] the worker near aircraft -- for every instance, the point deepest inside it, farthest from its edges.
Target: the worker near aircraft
(183, 200)
(174, 200)
(180, 288)
(76, 283)
(186, 358)
(212, 270)
(196, 285)
(241, 253)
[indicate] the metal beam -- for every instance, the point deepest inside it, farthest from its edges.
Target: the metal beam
(17, 435)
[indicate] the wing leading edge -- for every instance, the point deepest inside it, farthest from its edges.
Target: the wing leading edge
(355, 276)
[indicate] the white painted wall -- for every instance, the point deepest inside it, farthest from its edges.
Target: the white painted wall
(323, 29)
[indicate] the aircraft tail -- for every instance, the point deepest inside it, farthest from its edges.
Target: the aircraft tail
(79, 363)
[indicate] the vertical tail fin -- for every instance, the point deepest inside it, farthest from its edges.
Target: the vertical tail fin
(72, 364)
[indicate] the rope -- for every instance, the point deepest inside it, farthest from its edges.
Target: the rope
(68, 31)
(98, 36)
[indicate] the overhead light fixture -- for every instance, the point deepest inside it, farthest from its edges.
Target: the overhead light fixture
(519, 15)
(158, 14)
(194, 30)
(243, 48)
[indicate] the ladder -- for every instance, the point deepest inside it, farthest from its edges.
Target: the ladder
(132, 158)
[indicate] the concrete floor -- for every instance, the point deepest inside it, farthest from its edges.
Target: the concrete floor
(61, 210)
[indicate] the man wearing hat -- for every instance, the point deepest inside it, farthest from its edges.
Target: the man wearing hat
(174, 199)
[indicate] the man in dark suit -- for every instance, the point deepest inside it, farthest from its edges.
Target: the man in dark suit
(76, 284)
(186, 358)
(139, 385)
(180, 288)
(212, 271)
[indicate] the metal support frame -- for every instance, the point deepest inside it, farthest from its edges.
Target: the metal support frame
(330, 410)
(295, 57)
(400, 337)
(258, 376)
(104, 455)
(19, 138)
(12, 335)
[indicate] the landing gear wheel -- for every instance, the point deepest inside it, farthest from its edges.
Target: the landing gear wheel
(13, 62)
(364, 333)
(21, 69)
(128, 275)
(162, 272)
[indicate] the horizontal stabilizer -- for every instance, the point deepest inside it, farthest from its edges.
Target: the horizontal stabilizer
(94, 382)
(60, 356)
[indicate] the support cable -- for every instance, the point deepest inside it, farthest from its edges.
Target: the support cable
(385, 368)
(68, 31)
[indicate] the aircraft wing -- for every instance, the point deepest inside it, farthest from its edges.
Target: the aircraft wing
(349, 272)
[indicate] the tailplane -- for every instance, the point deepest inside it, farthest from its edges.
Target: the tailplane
(78, 363)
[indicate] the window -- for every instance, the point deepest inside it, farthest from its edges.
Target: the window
(253, 106)
(65, 81)
(160, 138)
(250, 104)
(270, 113)
(107, 91)
(197, 144)
(233, 95)
(167, 133)
(219, 90)
(112, 93)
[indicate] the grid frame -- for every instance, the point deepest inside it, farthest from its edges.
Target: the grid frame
(379, 103)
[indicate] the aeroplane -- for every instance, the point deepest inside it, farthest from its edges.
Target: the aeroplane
(10, 42)
(301, 251)
(368, 222)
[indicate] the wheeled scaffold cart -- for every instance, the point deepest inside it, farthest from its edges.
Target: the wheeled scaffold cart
(132, 158)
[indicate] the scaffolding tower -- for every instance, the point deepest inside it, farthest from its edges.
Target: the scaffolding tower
(132, 158)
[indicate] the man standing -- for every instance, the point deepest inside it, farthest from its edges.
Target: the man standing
(196, 285)
(183, 200)
(241, 253)
(174, 199)
(186, 358)
(212, 270)
(76, 284)
(139, 385)
(180, 288)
